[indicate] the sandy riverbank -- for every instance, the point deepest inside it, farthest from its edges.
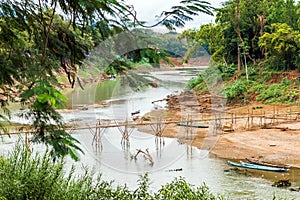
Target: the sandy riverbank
(271, 139)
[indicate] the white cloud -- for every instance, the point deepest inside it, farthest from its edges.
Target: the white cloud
(147, 10)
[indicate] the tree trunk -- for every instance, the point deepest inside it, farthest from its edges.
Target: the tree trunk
(239, 34)
(239, 57)
(262, 22)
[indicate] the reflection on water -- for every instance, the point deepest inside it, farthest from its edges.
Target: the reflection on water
(116, 161)
(113, 89)
(92, 93)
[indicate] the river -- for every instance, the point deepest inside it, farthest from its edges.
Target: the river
(116, 100)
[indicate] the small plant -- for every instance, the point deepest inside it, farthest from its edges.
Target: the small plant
(237, 90)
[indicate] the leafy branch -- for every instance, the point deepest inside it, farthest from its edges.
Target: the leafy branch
(178, 15)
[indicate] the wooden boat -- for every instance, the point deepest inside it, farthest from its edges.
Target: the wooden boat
(257, 167)
(259, 162)
(192, 125)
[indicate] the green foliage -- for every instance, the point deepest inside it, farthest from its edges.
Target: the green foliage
(262, 85)
(282, 47)
(174, 46)
(242, 90)
(180, 189)
(142, 192)
(237, 90)
(184, 12)
(270, 92)
(144, 63)
(207, 79)
(118, 66)
(208, 36)
(240, 25)
(196, 83)
(25, 175)
(149, 47)
(3, 121)
(45, 99)
(278, 93)
(228, 71)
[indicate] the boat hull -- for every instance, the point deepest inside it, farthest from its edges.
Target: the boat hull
(192, 125)
(258, 162)
(256, 167)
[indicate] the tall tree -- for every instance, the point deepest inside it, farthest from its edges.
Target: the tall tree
(244, 22)
(282, 47)
(239, 27)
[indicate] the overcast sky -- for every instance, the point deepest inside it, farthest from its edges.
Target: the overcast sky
(148, 9)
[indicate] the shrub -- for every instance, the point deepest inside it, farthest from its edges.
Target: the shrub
(207, 79)
(237, 90)
(196, 83)
(228, 71)
(25, 175)
(179, 189)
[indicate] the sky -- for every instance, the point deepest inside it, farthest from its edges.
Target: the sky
(148, 9)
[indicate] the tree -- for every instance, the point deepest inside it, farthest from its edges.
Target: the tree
(210, 36)
(243, 22)
(41, 38)
(282, 47)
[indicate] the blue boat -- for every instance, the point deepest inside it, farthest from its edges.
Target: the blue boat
(257, 167)
(259, 162)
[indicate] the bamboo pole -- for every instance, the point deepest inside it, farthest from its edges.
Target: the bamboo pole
(134, 124)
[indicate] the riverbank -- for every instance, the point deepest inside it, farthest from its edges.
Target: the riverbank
(267, 132)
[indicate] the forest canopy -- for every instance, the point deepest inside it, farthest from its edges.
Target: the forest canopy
(256, 47)
(247, 32)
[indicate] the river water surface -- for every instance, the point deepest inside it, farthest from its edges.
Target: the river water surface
(116, 101)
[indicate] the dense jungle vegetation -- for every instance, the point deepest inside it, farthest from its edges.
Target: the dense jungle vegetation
(256, 47)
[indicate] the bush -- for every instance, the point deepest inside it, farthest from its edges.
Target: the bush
(208, 79)
(25, 175)
(237, 90)
(196, 83)
(277, 93)
(228, 71)
(180, 189)
(262, 85)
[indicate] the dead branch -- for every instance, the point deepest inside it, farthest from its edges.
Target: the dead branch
(146, 155)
